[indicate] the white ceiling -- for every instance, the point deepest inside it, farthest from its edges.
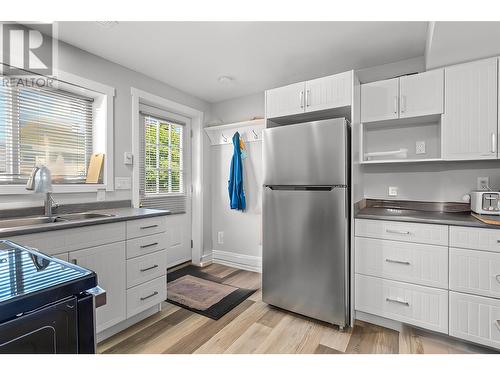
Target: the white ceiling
(455, 42)
(259, 55)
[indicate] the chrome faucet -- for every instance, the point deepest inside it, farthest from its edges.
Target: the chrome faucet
(40, 181)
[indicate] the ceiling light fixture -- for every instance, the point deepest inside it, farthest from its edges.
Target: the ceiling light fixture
(225, 80)
(107, 24)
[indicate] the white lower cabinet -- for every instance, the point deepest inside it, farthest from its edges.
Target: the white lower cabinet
(146, 295)
(108, 262)
(475, 272)
(146, 268)
(413, 304)
(403, 261)
(409, 272)
(475, 318)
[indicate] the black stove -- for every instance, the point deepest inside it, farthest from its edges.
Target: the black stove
(44, 307)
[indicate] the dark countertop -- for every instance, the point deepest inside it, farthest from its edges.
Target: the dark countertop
(416, 216)
(120, 214)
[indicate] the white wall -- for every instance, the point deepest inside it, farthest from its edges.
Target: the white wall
(242, 230)
(440, 182)
(84, 64)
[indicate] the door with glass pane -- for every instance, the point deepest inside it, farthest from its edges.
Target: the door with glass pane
(165, 175)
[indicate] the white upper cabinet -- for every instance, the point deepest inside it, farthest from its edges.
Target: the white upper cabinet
(287, 100)
(409, 96)
(380, 100)
(469, 124)
(315, 95)
(329, 92)
(421, 94)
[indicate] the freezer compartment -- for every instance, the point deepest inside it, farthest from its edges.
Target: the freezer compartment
(312, 153)
(305, 251)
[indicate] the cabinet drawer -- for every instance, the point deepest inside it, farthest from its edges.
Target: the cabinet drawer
(402, 261)
(64, 240)
(146, 267)
(475, 319)
(146, 245)
(400, 231)
(417, 305)
(475, 238)
(145, 227)
(146, 295)
(476, 272)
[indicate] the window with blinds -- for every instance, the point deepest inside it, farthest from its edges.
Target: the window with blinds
(161, 164)
(42, 126)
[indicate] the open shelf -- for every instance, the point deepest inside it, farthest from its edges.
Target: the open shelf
(395, 141)
(250, 131)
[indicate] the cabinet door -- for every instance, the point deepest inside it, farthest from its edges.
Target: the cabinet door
(421, 94)
(287, 100)
(470, 111)
(329, 92)
(380, 100)
(108, 262)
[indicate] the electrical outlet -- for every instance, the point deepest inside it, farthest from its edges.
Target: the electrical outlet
(483, 183)
(393, 191)
(123, 183)
(220, 238)
(420, 147)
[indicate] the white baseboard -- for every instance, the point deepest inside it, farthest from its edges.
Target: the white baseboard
(113, 330)
(206, 259)
(379, 321)
(244, 262)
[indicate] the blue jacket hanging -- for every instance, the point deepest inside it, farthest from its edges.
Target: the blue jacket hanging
(235, 185)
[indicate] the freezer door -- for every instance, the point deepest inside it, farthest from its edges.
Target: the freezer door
(312, 153)
(305, 252)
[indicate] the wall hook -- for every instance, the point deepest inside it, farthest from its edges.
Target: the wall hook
(225, 138)
(255, 134)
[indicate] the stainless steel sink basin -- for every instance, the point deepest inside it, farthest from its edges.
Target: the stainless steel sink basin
(25, 221)
(82, 216)
(9, 223)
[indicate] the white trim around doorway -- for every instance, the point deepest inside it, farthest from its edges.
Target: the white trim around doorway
(196, 116)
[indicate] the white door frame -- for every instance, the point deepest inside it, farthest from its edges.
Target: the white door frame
(196, 116)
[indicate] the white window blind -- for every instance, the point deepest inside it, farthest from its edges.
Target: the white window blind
(162, 164)
(43, 126)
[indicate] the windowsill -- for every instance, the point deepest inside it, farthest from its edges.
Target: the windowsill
(62, 188)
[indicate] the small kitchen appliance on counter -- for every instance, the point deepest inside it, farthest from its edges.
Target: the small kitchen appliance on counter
(45, 303)
(485, 202)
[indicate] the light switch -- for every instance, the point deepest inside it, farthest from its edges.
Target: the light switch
(128, 158)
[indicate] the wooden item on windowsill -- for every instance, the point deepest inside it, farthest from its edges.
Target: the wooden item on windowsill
(94, 173)
(488, 219)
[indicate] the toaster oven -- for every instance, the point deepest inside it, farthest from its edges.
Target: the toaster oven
(485, 202)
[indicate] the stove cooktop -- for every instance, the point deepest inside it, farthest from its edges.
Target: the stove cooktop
(30, 279)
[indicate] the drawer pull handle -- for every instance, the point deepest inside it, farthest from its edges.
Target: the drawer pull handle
(149, 245)
(498, 278)
(397, 301)
(149, 268)
(149, 226)
(397, 261)
(151, 295)
(394, 231)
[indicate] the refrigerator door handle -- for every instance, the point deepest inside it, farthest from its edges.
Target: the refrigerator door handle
(305, 188)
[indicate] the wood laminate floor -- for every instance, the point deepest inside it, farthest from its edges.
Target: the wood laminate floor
(255, 327)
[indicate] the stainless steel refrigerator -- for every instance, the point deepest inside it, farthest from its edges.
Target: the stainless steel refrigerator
(306, 219)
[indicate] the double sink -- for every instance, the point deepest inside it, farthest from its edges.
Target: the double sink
(26, 221)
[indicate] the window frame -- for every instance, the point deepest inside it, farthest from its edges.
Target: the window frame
(102, 132)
